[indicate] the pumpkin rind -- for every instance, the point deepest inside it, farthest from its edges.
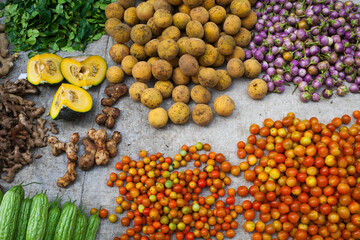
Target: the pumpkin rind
(87, 73)
(44, 68)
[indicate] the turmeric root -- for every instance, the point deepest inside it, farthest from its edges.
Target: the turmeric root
(111, 144)
(70, 148)
(69, 177)
(102, 156)
(87, 160)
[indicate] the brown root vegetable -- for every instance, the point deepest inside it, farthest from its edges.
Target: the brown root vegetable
(199, 14)
(252, 68)
(128, 63)
(142, 72)
(181, 93)
(171, 32)
(111, 144)
(192, 3)
(194, 29)
(240, 8)
(114, 10)
(195, 46)
(156, 31)
(165, 88)
(179, 113)
(200, 95)
(257, 89)
(114, 92)
(179, 78)
(138, 51)
(151, 48)
(211, 32)
(130, 17)
(249, 21)
(235, 68)
(224, 105)
(110, 24)
(136, 90)
(70, 148)
(202, 114)
(87, 160)
(180, 20)
(161, 70)
(168, 49)
(224, 80)
(118, 52)
(226, 45)
(243, 38)
(162, 4)
(108, 117)
(158, 117)
(53, 128)
(208, 77)
(209, 56)
(6, 60)
(141, 34)
(181, 45)
(151, 98)
(217, 14)
(232, 24)
(99, 137)
(219, 60)
(188, 65)
(115, 74)
(144, 11)
(163, 18)
(70, 175)
(121, 33)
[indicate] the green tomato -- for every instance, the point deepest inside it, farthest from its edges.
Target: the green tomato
(166, 174)
(164, 220)
(209, 168)
(172, 226)
(183, 153)
(185, 210)
(166, 210)
(199, 146)
(141, 208)
(195, 207)
(168, 184)
(181, 226)
(152, 198)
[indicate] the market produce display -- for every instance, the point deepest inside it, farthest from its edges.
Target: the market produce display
(36, 218)
(312, 44)
(178, 42)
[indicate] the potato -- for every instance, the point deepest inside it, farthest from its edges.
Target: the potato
(142, 71)
(195, 78)
(188, 65)
(238, 53)
(208, 77)
(136, 90)
(219, 60)
(181, 93)
(180, 20)
(130, 17)
(192, 3)
(152, 60)
(179, 113)
(114, 10)
(194, 29)
(118, 51)
(110, 24)
(224, 105)
(226, 45)
(257, 89)
(199, 94)
(181, 44)
(223, 2)
(151, 98)
(165, 88)
(144, 11)
(249, 21)
(168, 49)
(171, 32)
(224, 80)
(209, 56)
(211, 32)
(151, 48)
(156, 31)
(175, 2)
(232, 24)
(128, 63)
(121, 33)
(162, 4)
(141, 34)
(115, 74)
(217, 14)
(195, 46)
(183, 8)
(179, 78)
(161, 70)
(252, 68)
(163, 18)
(202, 114)
(240, 8)
(127, 3)
(235, 68)
(243, 38)
(207, 4)
(158, 118)
(199, 14)
(138, 51)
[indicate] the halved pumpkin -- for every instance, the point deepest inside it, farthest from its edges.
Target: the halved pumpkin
(72, 99)
(86, 73)
(44, 68)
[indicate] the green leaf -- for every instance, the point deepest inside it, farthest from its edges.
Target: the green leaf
(68, 49)
(97, 36)
(31, 40)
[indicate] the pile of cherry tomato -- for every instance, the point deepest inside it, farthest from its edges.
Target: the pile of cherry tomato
(306, 179)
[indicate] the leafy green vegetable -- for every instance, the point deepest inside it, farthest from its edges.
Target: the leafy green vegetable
(44, 25)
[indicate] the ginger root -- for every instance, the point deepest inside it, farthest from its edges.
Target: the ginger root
(87, 160)
(111, 144)
(70, 175)
(70, 148)
(102, 156)
(114, 92)
(108, 117)
(6, 59)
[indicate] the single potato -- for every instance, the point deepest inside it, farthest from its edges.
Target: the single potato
(142, 71)
(165, 88)
(202, 114)
(181, 93)
(115, 74)
(128, 63)
(252, 68)
(151, 98)
(208, 77)
(188, 65)
(257, 89)
(224, 105)
(179, 113)
(136, 90)
(235, 68)
(158, 118)
(200, 95)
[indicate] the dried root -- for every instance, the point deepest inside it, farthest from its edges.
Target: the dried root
(69, 177)
(111, 144)
(108, 117)
(114, 92)
(53, 128)
(87, 160)
(6, 60)
(21, 128)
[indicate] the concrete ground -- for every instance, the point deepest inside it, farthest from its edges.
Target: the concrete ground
(223, 134)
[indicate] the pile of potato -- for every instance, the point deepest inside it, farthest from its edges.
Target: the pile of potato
(176, 42)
